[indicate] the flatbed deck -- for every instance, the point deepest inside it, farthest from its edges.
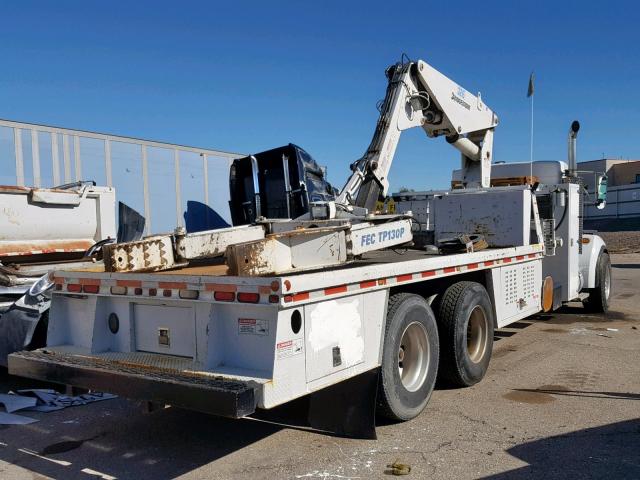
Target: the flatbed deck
(376, 270)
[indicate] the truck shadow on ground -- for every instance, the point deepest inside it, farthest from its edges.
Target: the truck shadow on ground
(581, 393)
(577, 314)
(115, 439)
(609, 451)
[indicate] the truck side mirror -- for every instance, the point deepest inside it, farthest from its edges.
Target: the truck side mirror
(601, 192)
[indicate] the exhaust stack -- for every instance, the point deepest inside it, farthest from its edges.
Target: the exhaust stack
(573, 134)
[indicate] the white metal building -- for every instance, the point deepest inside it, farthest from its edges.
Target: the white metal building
(164, 182)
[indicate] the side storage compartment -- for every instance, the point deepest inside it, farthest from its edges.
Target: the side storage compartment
(323, 343)
(169, 330)
(516, 291)
(335, 336)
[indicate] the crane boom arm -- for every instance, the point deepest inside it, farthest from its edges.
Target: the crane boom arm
(419, 96)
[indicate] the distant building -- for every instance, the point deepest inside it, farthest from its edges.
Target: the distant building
(619, 172)
(622, 211)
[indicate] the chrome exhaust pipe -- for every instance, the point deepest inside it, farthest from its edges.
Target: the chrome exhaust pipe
(573, 134)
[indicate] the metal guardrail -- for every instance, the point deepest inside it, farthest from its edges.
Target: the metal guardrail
(67, 162)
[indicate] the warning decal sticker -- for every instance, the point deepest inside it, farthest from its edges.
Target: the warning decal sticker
(253, 326)
(289, 348)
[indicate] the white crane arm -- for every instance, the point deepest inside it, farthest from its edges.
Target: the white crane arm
(419, 95)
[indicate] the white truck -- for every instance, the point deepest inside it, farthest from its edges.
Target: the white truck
(336, 305)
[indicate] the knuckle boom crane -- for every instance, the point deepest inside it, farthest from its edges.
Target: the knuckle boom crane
(338, 231)
(420, 96)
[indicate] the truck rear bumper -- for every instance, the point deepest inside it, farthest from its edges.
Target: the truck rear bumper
(215, 395)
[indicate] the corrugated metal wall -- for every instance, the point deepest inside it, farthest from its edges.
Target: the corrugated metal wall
(622, 202)
(169, 184)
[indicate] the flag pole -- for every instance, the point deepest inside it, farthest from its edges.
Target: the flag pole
(531, 146)
(530, 93)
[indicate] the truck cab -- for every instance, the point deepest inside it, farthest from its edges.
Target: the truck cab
(277, 183)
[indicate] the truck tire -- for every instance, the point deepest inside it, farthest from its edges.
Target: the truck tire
(598, 299)
(409, 358)
(465, 325)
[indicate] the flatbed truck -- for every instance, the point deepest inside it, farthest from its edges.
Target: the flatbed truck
(354, 333)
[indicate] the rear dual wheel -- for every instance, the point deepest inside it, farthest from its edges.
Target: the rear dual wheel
(415, 345)
(409, 357)
(466, 325)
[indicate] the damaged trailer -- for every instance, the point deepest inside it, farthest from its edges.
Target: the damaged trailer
(45, 229)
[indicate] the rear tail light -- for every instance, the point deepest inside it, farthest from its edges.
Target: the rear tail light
(74, 287)
(247, 297)
(224, 296)
(91, 288)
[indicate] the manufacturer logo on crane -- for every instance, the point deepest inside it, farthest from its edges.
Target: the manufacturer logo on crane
(459, 100)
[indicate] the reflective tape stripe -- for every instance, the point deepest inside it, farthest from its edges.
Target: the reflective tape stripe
(318, 294)
(172, 285)
(171, 289)
(220, 287)
(334, 290)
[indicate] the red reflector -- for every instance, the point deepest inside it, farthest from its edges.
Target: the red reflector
(274, 298)
(153, 292)
(224, 296)
(91, 288)
(138, 291)
(247, 297)
(74, 287)
(166, 293)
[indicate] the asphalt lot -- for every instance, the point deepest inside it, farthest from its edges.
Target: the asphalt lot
(561, 400)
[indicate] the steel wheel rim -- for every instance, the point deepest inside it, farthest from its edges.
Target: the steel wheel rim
(477, 334)
(413, 356)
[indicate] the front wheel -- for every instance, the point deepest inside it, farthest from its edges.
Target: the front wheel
(409, 357)
(598, 299)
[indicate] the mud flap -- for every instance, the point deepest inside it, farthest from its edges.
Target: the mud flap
(347, 408)
(17, 327)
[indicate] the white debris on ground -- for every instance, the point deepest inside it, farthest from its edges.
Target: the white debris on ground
(41, 400)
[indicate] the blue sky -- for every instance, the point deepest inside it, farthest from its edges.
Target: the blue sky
(250, 76)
